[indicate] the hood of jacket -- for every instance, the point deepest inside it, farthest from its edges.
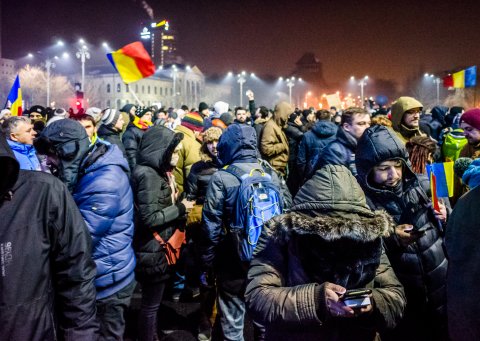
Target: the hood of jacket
(281, 114)
(9, 168)
(379, 144)
(324, 129)
(438, 113)
(220, 108)
(400, 106)
(69, 141)
(156, 148)
(238, 143)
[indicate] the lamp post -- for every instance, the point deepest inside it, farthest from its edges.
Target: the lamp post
(290, 84)
(174, 76)
(362, 84)
(241, 80)
(436, 81)
(48, 66)
(83, 55)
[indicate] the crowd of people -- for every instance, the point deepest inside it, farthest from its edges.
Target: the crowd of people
(91, 204)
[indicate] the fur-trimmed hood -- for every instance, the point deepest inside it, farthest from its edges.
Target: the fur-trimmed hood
(361, 229)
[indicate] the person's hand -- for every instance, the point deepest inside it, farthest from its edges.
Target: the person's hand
(406, 235)
(250, 95)
(335, 306)
(188, 204)
(442, 214)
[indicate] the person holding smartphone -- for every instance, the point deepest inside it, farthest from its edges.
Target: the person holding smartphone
(416, 248)
(307, 259)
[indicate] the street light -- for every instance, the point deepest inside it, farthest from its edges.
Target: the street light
(437, 81)
(362, 84)
(48, 66)
(83, 55)
(174, 76)
(290, 84)
(241, 80)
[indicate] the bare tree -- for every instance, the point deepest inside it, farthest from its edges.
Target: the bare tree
(33, 81)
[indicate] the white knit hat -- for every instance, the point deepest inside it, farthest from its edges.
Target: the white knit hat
(3, 112)
(95, 112)
(110, 117)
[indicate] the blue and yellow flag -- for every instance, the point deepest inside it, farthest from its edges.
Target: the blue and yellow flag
(444, 176)
(14, 99)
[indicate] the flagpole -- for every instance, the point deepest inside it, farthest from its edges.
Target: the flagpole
(136, 97)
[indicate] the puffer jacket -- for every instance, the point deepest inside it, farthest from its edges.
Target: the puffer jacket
(422, 265)
(312, 144)
(340, 151)
(199, 177)
(274, 143)
(105, 199)
(156, 210)
(26, 155)
(189, 154)
(47, 290)
(302, 250)
(216, 247)
(131, 140)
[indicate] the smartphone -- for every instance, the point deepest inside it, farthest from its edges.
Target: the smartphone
(356, 298)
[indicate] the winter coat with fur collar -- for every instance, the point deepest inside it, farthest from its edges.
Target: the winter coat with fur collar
(330, 236)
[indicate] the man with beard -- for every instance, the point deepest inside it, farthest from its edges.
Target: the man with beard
(406, 118)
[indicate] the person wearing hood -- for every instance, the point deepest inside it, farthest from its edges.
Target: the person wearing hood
(158, 206)
(313, 142)
(438, 121)
(452, 118)
(96, 177)
(406, 118)
(301, 271)
(415, 249)
(341, 151)
(219, 108)
(273, 142)
(139, 123)
(48, 274)
(20, 135)
(217, 246)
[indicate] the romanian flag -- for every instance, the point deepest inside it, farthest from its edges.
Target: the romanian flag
(441, 179)
(132, 62)
(14, 99)
(462, 79)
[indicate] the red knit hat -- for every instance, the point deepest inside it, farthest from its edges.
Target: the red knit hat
(471, 117)
(193, 121)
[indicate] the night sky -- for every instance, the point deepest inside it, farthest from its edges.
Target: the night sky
(384, 39)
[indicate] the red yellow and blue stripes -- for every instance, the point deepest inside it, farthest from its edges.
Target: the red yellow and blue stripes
(462, 79)
(14, 99)
(441, 179)
(132, 62)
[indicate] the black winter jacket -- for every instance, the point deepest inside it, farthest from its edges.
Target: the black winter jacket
(305, 248)
(153, 199)
(199, 178)
(422, 265)
(47, 277)
(112, 136)
(131, 141)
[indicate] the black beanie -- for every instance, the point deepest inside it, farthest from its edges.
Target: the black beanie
(202, 106)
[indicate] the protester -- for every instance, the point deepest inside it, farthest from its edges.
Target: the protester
(4, 114)
(111, 127)
(294, 133)
(406, 118)
(416, 249)
(96, 176)
(158, 206)
(273, 142)
(297, 279)
(139, 123)
(47, 269)
(88, 122)
(341, 151)
(20, 135)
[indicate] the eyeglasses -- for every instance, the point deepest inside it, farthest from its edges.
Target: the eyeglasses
(412, 112)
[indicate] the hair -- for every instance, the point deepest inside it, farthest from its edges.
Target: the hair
(419, 148)
(263, 111)
(322, 115)
(381, 120)
(239, 108)
(347, 116)
(185, 108)
(10, 125)
(85, 117)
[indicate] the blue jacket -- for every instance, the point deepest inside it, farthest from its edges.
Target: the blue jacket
(105, 200)
(26, 155)
(312, 144)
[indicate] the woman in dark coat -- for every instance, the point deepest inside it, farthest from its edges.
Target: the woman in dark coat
(157, 209)
(416, 249)
(329, 242)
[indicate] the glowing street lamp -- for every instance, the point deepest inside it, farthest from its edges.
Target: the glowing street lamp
(241, 80)
(290, 84)
(83, 55)
(437, 81)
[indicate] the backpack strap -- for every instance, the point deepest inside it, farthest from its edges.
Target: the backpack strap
(235, 171)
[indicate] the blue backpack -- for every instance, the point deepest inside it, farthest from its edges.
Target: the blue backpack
(257, 200)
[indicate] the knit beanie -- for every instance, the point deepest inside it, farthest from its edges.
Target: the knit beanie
(126, 108)
(226, 118)
(4, 112)
(193, 121)
(471, 117)
(95, 112)
(110, 117)
(202, 106)
(144, 111)
(38, 108)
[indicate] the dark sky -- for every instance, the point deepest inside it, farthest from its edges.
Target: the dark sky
(384, 39)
